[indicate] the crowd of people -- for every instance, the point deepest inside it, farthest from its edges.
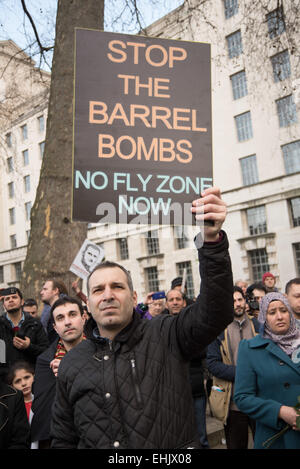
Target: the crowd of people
(106, 370)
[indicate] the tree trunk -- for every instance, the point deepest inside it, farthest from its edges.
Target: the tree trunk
(54, 239)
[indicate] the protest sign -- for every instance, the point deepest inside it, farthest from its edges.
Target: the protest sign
(88, 256)
(142, 128)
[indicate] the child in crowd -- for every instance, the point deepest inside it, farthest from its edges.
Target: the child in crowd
(20, 377)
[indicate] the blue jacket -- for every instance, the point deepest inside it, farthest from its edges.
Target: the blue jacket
(266, 378)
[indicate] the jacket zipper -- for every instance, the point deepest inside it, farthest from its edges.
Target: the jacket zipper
(135, 382)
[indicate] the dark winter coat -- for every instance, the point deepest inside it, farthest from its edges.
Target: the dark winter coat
(44, 393)
(32, 328)
(134, 392)
(197, 375)
(14, 426)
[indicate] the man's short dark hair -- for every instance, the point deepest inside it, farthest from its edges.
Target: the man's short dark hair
(176, 282)
(256, 286)
(239, 290)
(63, 301)
(30, 302)
(290, 283)
(111, 265)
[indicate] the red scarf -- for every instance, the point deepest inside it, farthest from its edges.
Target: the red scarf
(60, 349)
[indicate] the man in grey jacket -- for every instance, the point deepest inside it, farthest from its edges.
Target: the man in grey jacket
(127, 385)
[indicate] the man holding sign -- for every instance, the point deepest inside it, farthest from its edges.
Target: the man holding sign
(127, 385)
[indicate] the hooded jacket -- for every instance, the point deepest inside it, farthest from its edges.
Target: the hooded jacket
(134, 391)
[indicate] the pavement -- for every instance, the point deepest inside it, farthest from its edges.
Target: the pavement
(215, 432)
(216, 435)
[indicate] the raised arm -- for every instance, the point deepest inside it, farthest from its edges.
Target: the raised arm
(199, 324)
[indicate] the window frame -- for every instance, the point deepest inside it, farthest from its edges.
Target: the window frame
(235, 48)
(286, 117)
(243, 124)
(250, 174)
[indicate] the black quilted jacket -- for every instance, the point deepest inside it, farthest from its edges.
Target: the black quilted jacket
(135, 392)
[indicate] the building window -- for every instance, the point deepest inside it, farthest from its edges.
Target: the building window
(187, 268)
(12, 216)
(286, 110)
(276, 24)
(244, 126)
(42, 148)
(231, 8)
(1, 274)
(10, 164)
(123, 248)
(18, 271)
(257, 221)
(27, 235)
(239, 85)
(259, 263)
(11, 190)
(24, 131)
(249, 170)
(181, 237)
(296, 248)
(234, 44)
(41, 123)
(27, 183)
(295, 210)
(13, 241)
(291, 156)
(25, 157)
(281, 66)
(27, 210)
(152, 242)
(8, 139)
(152, 279)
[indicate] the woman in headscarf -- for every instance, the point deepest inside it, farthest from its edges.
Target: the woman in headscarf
(267, 383)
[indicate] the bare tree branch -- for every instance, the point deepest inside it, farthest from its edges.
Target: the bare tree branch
(43, 49)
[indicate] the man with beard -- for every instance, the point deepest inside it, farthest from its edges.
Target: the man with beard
(23, 335)
(221, 361)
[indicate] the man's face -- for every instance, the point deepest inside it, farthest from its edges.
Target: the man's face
(269, 282)
(90, 256)
(68, 322)
(12, 303)
(31, 310)
(110, 301)
(156, 307)
(48, 293)
(293, 297)
(175, 302)
(258, 294)
(239, 304)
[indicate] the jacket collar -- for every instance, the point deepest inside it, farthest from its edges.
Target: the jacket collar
(129, 336)
(260, 342)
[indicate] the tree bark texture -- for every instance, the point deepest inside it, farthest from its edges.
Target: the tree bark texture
(54, 239)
